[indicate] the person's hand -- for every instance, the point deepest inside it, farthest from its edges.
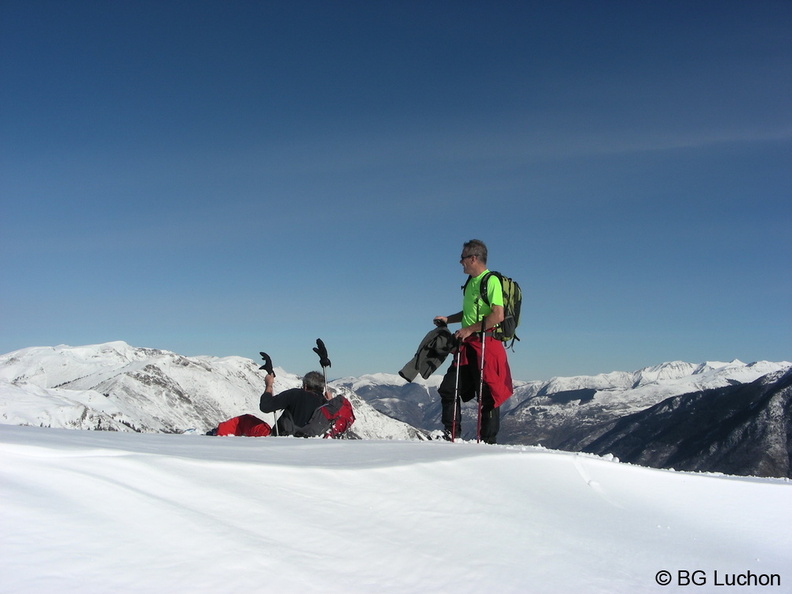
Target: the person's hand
(269, 379)
(440, 321)
(463, 333)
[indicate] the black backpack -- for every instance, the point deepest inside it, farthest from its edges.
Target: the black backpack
(512, 301)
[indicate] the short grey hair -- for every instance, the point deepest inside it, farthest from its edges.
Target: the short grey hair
(476, 247)
(313, 381)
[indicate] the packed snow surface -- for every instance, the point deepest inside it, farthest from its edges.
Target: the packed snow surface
(85, 511)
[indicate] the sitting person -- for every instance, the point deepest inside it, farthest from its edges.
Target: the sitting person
(309, 411)
(298, 404)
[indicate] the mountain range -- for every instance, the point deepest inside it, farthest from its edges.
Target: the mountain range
(718, 417)
(117, 387)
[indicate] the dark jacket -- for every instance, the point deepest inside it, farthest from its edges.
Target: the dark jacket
(431, 353)
(298, 406)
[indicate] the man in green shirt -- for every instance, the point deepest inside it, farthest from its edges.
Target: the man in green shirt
(477, 316)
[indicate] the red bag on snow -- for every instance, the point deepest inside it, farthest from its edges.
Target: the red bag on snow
(245, 426)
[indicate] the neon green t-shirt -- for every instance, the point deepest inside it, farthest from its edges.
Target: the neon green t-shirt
(473, 308)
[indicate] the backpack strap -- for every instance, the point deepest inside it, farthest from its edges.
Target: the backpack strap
(482, 286)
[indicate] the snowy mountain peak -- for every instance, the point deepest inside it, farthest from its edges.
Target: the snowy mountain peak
(115, 386)
(709, 366)
(664, 371)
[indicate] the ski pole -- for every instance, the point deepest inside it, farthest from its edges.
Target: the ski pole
(481, 377)
(442, 324)
(481, 388)
(456, 397)
(268, 368)
(321, 350)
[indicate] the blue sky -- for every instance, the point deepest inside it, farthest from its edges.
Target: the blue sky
(219, 178)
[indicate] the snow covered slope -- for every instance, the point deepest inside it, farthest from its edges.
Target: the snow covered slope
(115, 386)
(87, 511)
(739, 429)
(553, 412)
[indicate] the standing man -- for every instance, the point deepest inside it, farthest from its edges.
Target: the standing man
(477, 317)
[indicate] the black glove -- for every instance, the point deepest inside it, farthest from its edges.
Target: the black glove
(267, 364)
(320, 350)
